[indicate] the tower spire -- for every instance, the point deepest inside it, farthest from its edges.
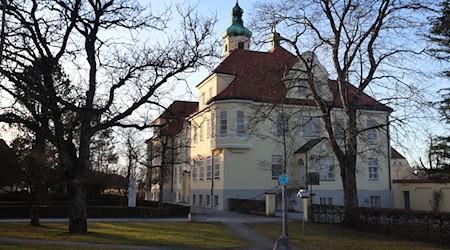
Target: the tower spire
(237, 36)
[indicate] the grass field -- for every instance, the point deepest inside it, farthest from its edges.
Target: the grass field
(326, 236)
(176, 234)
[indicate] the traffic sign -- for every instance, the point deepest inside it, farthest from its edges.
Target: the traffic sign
(283, 179)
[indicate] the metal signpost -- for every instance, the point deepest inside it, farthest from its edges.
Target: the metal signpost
(283, 180)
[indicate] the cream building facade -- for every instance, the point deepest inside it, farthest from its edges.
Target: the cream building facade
(255, 114)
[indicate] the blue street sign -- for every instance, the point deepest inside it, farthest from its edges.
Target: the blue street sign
(283, 179)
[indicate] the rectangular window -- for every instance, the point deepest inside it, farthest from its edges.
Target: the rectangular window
(339, 131)
(240, 124)
(277, 166)
(200, 200)
(374, 174)
(282, 122)
(223, 124)
(203, 98)
(195, 134)
(213, 122)
(208, 129)
(208, 200)
(372, 132)
(375, 201)
(193, 199)
(201, 131)
(325, 167)
(326, 201)
(186, 153)
(311, 127)
(176, 177)
(180, 174)
(301, 85)
(208, 168)
(216, 167)
(201, 169)
(194, 172)
(216, 200)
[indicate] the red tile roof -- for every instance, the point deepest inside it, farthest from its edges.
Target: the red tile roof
(175, 116)
(259, 78)
(396, 155)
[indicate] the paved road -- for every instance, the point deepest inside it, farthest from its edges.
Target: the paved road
(232, 220)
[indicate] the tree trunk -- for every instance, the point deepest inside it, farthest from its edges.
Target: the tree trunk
(76, 170)
(348, 170)
(34, 215)
(77, 210)
(161, 189)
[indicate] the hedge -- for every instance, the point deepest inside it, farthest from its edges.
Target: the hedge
(423, 225)
(96, 212)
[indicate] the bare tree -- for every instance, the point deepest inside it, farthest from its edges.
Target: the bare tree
(366, 43)
(112, 72)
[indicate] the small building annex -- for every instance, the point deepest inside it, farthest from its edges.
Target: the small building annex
(255, 113)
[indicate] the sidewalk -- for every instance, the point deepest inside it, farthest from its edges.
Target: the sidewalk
(232, 220)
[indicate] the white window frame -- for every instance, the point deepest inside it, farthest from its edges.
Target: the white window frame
(201, 169)
(374, 170)
(375, 201)
(213, 121)
(277, 166)
(216, 167)
(208, 128)
(311, 127)
(201, 131)
(216, 200)
(301, 86)
(372, 133)
(326, 168)
(223, 124)
(240, 124)
(326, 201)
(195, 172)
(281, 122)
(195, 134)
(208, 167)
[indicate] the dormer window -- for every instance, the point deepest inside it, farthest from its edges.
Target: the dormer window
(301, 85)
(226, 47)
(240, 45)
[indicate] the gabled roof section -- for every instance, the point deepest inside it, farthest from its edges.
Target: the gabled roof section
(396, 155)
(259, 78)
(258, 74)
(309, 145)
(175, 115)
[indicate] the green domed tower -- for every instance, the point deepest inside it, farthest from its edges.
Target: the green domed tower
(236, 36)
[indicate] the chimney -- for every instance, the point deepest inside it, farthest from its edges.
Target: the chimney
(275, 39)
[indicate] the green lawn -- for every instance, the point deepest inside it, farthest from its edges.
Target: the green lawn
(176, 234)
(326, 236)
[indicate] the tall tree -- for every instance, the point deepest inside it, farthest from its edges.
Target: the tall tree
(38, 171)
(361, 40)
(439, 149)
(113, 68)
(440, 34)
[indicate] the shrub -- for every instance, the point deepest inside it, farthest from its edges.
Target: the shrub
(247, 206)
